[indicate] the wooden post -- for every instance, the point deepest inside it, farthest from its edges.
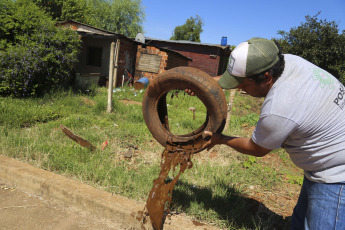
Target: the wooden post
(117, 51)
(111, 76)
(231, 100)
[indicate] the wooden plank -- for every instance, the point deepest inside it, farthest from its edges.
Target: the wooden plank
(77, 138)
(149, 63)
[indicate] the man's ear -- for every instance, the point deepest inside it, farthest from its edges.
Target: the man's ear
(268, 78)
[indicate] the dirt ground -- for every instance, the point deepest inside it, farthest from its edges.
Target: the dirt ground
(280, 200)
(20, 210)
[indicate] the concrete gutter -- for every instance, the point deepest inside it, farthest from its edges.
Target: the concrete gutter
(115, 208)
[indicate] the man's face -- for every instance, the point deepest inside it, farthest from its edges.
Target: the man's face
(253, 89)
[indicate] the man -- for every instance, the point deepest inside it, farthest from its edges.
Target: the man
(303, 113)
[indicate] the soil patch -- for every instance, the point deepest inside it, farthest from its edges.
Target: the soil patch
(282, 199)
(130, 102)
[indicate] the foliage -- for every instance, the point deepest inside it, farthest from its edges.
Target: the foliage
(35, 56)
(64, 9)
(190, 31)
(295, 179)
(318, 41)
(249, 162)
(6, 7)
(119, 16)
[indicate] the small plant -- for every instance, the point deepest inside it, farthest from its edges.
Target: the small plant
(295, 179)
(249, 162)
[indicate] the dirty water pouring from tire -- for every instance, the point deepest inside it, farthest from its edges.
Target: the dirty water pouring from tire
(179, 149)
(175, 159)
(159, 200)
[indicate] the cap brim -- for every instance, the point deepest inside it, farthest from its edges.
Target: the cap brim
(228, 81)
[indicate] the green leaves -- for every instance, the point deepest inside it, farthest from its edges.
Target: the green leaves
(190, 31)
(119, 16)
(35, 56)
(249, 162)
(318, 41)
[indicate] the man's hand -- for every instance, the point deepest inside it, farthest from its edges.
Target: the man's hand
(189, 92)
(214, 139)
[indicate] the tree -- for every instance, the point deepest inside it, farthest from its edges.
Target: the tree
(35, 55)
(64, 9)
(119, 16)
(190, 31)
(7, 25)
(318, 41)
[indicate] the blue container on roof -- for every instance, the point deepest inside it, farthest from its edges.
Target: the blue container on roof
(224, 41)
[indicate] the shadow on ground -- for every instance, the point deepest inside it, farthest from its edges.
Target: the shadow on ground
(233, 209)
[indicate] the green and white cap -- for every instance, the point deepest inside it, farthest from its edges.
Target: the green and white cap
(249, 58)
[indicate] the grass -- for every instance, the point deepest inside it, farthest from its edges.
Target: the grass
(182, 119)
(223, 187)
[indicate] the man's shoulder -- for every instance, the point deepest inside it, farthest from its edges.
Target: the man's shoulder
(293, 58)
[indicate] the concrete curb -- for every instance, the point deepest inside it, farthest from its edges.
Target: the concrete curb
(116, 208)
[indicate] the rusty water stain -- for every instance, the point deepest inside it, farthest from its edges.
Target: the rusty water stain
(159, 200)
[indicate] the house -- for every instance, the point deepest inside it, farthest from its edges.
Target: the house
(94, 59)
(210, 58)
(134, 59)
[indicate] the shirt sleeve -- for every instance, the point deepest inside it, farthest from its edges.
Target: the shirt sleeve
(272, 130)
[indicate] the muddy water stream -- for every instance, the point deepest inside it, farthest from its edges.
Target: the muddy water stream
(158, 203)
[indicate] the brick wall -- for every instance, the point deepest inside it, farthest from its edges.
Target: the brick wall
(168, 60)
(150, 50)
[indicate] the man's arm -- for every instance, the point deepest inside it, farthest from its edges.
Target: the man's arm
(241, 144)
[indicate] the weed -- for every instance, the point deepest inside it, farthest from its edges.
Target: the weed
(295, 179)
(249, 162)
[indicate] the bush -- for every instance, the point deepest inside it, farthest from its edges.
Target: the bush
(35, 55)
(320, 42)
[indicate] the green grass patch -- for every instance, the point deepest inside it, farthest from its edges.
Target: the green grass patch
(214, 190)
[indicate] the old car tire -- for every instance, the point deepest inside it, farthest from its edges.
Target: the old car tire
(181, 78)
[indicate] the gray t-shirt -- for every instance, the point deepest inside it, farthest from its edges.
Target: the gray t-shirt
(304, 113)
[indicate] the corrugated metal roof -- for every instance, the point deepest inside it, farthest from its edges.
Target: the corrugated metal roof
(90, 31)
(147, 39)
(94, 29)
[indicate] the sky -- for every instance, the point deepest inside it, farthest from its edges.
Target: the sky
(237, 20)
